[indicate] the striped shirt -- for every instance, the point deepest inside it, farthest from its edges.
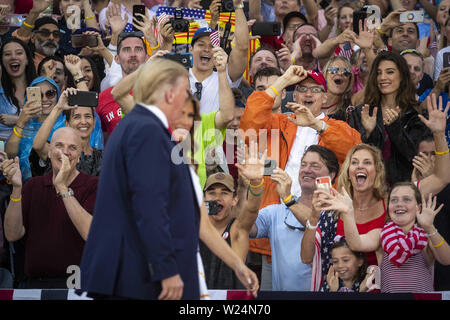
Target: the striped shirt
(413, 276)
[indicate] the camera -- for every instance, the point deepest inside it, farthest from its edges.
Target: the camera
(227, 6)
(178, 23)
(185, 59)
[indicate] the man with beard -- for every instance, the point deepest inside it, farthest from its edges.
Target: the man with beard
(44, 37)
(42, 32)
(131, 54)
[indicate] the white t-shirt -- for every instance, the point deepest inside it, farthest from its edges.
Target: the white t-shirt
(439, 63)
(209, 101)
(304, 138)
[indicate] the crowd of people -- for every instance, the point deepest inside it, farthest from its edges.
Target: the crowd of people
(185, 177)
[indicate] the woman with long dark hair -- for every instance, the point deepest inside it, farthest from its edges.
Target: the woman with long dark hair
(18, 70)
(389, 117)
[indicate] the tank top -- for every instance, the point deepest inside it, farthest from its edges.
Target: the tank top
(364, 228)
(413, 276)
(218, 275)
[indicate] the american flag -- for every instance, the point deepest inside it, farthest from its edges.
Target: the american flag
(159, 23)
(197, 14)
(346, 51)
(215, 38)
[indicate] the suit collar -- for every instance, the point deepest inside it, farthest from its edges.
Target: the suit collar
(144, 110)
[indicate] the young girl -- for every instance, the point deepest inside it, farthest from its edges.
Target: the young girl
(348, 270)
(407, 245)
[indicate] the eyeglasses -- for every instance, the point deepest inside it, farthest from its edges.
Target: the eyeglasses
(46, 33)
(346, 72)
(198, 93)
(292, 227)
(314, 89)
(50, 94)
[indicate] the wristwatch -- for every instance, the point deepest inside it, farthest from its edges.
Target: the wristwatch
(77, 81)
(309, 226)
(239, 6)
(68, 194)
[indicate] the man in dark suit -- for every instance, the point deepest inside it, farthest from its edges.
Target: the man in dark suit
(143, 239)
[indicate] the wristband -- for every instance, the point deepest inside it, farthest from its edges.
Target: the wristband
(14, 199)
(89, 18)
(440, 244)
(290, 203)
(258, 186)
(274, 90)
(157, 46)
(255, 194)
(28, 25)
(442, 153)
(287, 198)
(77, 81)
(16, 133)
(380, 32)
(432, 234)
(323, 127)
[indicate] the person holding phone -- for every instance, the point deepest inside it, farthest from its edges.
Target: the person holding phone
(82, 120)
(363, 178)
(8, 114)
(30, 120)
(284, 224)
(234, 229)
(440, 63)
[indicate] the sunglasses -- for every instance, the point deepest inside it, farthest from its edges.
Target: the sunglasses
(46, 33)
(50, 94)
(344, 71)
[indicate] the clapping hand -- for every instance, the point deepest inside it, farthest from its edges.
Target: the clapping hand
(333, 279)
(11, 171)
(423, 167)
(368, 121)
(437, 116)
(333, 200)
(390, 115)
(283, 181)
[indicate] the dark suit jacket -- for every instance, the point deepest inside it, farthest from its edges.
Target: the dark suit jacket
(146, 220)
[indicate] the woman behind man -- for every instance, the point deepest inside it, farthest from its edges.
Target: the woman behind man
(389, 118)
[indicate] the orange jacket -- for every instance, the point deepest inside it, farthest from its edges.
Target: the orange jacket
(338, 137)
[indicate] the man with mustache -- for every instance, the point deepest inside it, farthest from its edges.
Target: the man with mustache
(43, 33)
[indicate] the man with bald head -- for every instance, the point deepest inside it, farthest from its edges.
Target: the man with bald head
(52, 213)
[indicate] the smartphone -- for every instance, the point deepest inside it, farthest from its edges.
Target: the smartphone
(205, 4)
(84, 40)
(34, 94)
(269, 167)
(212, 207)
(185, 58)
(83, 99)
(324, 4)
(412, 16)
(357, 16)
(138, 8)
(324, 183)
(446, 59)
(266, 29)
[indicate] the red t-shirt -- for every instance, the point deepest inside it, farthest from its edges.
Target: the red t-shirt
(108, 110)
(51, 240)
(365, 228)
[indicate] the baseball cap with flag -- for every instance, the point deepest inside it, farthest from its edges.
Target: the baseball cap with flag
(318, 78)
(201, 32)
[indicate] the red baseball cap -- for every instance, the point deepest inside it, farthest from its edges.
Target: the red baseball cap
(318, 78)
